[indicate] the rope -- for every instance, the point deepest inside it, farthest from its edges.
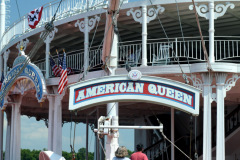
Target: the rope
(18, 9)
(175, 146)
(100, 43)
(175, 58)
(166, 148)
(196, 155)
(185, 51)
(202, 40)
(190, 138)
(92, 128)
(74, 137)
(71, 133)
(53, 19)
(111, 108)
(95, 54)
(48, 28)
(102, 147)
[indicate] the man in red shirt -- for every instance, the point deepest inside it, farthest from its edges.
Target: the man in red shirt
(139, 155)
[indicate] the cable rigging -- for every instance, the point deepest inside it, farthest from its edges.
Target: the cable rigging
(18, 9)
(202, 40)
(185, 51)
(175, 56)
(165, 137)
(48, 28)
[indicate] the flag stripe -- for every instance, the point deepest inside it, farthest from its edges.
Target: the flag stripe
(63, 79)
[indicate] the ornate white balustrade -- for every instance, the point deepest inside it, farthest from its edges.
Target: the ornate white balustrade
(177, 49)
(67, 8)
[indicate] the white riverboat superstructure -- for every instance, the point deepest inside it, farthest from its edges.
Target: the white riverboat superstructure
(160, 42)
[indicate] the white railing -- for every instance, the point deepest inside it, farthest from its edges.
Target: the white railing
(227, 50)
(130, 53)
(178, 49)
(174, 50)
(95, 57)
(66, 9)
(183, 50)
(75, 60)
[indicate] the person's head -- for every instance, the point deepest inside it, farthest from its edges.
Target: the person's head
(121, 152)
(139, 147)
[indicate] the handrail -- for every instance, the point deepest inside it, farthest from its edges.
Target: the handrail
(184, 51)
(162, 141)
(153, 145)
(194, 37)
(67, 9)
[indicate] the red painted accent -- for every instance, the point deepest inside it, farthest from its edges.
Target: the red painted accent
(145, 91)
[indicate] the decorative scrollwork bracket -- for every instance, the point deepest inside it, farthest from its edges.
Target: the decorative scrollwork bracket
(203, 10)
(91, 23)
(196, 81)
(231, 82)
(51, 35)
(151, 13)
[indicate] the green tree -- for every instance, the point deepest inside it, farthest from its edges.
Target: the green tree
(81, 154)
(26, 154)
(130, 153)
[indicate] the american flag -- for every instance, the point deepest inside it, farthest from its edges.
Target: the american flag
(63, 80)
(70, 71)
(55, 69)
(60, 60)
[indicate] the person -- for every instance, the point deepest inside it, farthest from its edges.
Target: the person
(121, 153)
(139, 155)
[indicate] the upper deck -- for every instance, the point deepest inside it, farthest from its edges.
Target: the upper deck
(173, 36)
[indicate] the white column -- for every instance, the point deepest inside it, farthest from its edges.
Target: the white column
(112, 141)
(211, 16)
(144, 35)
(8, 135)
(57, 133)
(147, 16)
(47, 59)
(17, 120)
(207, 127)
(2, 18)
(172, 134)
(211, 31)
(17, 128)
(86, 45)
(112, 108)
(12, 132)
(221, 93)
(86, 26)
(51, 101)
(48, 41)
(1, 134)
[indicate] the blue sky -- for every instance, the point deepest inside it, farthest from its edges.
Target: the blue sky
(34, 133)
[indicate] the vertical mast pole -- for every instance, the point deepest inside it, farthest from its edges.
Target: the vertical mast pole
(211, 31)
(112, 108)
